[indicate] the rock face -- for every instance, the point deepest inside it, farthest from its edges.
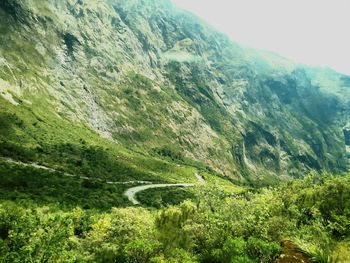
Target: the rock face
(153, 77)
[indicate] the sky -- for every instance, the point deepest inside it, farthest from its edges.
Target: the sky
(314, 32)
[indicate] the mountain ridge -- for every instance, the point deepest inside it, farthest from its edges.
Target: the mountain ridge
(156, 79)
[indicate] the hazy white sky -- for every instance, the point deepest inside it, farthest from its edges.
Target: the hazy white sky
(315, 32)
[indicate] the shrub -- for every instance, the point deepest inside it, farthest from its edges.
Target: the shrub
(262, 250)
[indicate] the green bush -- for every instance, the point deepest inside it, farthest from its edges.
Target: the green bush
(262, 250)
(233, 250)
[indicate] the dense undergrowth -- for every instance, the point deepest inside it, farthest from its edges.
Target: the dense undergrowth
(163, 197)
(214, 227)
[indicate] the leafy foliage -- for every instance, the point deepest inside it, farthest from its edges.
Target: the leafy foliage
(218, 227)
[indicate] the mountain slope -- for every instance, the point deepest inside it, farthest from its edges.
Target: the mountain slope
(157, 80)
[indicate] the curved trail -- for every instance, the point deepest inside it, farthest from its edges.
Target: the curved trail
(130, 193)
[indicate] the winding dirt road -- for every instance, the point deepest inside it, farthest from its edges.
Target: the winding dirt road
(130, 193)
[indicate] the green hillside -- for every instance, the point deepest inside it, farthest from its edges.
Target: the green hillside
(243, 154)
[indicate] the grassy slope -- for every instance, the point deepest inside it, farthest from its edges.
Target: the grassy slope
(30, 134)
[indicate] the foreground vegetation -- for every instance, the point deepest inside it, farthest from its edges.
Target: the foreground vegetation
(214, 226)
(48, 217)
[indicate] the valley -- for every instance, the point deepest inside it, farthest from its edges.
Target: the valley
(132, 131)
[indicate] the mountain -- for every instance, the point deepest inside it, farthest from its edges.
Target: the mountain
(131, 131)
(147, 79)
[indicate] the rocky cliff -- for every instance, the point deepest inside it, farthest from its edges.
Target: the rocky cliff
(156, 79)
